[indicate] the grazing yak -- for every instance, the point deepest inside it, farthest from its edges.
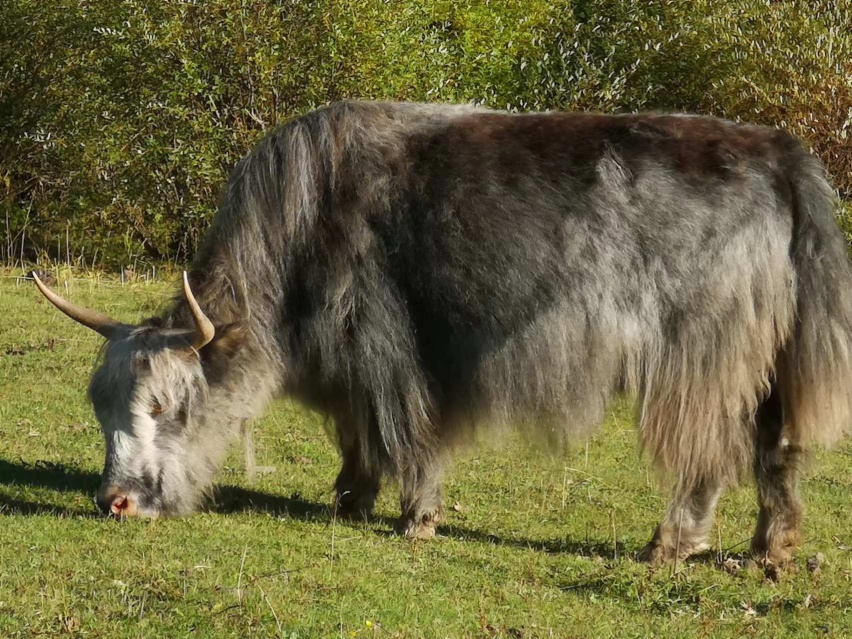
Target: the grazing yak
(417, 272)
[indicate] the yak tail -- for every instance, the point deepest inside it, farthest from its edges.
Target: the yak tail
(814, 370)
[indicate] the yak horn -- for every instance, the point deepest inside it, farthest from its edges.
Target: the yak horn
(205, 331)
(98, 322)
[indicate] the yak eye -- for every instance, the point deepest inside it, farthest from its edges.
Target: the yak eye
(156, 408)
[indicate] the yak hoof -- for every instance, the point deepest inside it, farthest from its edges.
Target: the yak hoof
(659, 554)
(775, 546)
(422, 528)
(354, 509)
(775, 555)
(419, 531)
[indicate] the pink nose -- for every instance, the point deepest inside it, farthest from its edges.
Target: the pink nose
(117, 502)
(120, 505)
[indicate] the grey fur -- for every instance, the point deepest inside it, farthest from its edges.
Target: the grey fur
(414, 271)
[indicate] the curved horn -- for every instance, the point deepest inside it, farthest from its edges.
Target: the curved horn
(98, 322)
(205, 329)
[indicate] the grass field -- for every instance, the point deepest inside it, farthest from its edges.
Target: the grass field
(534, 545)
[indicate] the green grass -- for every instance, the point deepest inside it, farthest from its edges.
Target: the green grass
(540, 546)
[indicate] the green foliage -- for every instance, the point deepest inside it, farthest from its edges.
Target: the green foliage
(120, 120)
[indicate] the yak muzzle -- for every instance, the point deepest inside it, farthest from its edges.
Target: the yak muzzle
(118, 503)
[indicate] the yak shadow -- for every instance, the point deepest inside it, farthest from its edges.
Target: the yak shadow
(49, 475)
(64, 479)
(230, 499)
(67, 479)
(586, 548)
(235, 499)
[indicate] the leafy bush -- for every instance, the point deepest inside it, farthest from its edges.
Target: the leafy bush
(120, 120)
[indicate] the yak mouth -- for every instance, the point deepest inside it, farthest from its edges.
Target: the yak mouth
(126, 497)
(132, 504)
(116, 503)
(135, 513)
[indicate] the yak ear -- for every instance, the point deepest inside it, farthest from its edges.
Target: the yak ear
(217, 355)
(228, 339)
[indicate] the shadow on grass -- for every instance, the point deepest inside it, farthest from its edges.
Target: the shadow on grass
(44, 475)
(235, 499)
(48, 475)
(586, 548)
(69, 479)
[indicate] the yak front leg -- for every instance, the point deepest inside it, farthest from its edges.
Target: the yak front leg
(420, 501)
(357, 485)
(686, 524)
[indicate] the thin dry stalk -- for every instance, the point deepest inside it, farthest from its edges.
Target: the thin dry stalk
(240, 576)
(677, 545)
(614, 536)
(272, 610)
(248, 451)
(721, 557)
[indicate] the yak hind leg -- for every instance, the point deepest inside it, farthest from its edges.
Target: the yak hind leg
(685, 527)
(420, 501)
(776, 467)
(357, 485)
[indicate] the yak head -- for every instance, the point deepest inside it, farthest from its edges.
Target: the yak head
(156, 397)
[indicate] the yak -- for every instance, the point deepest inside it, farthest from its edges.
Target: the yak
(420, 273)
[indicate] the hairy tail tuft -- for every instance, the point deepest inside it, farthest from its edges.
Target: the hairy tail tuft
(815, 369)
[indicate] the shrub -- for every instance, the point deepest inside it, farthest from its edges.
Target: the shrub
(120, 120)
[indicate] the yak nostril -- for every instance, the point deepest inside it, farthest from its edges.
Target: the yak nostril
(116, 502)
(120, 505)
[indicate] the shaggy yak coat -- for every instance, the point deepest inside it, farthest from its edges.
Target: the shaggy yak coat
(418, 272)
